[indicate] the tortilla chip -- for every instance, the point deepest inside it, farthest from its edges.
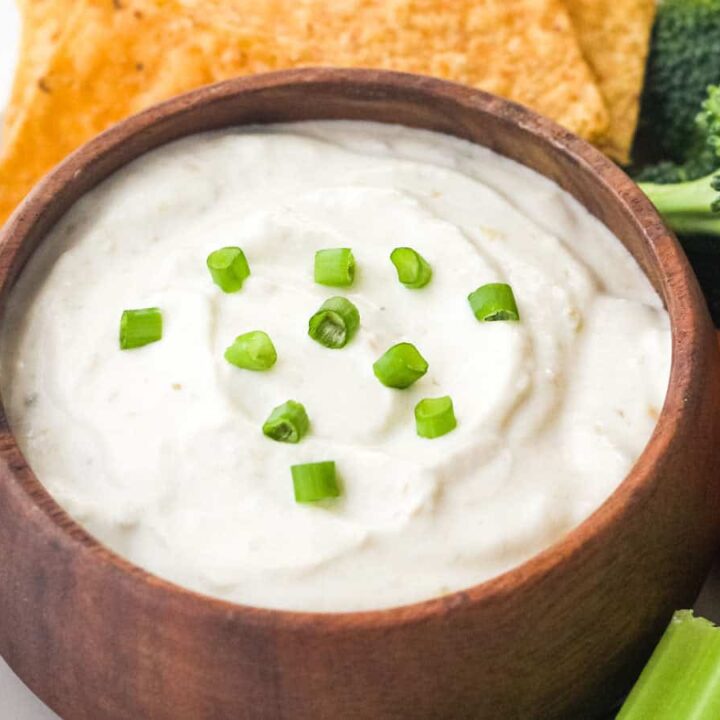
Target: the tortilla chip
(615, 37)
(108, 64)
(43, 23)
(525, 50)
(116, 57)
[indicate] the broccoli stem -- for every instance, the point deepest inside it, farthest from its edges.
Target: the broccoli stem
(694, 225)
(689, 208)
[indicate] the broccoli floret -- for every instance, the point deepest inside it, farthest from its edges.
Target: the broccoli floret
(692, 206)
(708, 121)
(668, 171)
(704, 157)
(684, 60)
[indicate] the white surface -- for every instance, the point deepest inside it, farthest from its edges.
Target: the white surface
(16, 701)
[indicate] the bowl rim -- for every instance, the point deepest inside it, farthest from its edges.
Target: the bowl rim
(678, 289)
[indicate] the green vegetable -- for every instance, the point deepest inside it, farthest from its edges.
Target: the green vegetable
(684, 60)
(435, 417)
(287, 423)
(689, 208)
(692, 206)
(335, 323)
(252, 351)
(335, 267)
(400, 366)
(494, 301)
(229, 268)
(140, 327)
(413, 269)
(667, 171)
(315, 481)
(704, 155)
(682, 679)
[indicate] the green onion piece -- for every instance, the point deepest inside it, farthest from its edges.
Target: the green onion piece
(287, 423)
(140, 327)
(494, 301)
(435, 417)
(252, 351)
(315, 481)
(335, 323)
(413, 269)
(682, 679)
(229, 268)
(400, 366)
(335, 267)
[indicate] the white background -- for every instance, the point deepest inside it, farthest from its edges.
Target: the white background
(16, 701)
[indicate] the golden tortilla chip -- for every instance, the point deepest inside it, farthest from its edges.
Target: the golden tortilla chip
(116, 57)
(43, 23)
(615, 37)
(525, 50)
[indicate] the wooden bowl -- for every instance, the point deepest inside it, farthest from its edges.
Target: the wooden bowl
(561, 636)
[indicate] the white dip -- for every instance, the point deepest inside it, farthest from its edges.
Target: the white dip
(159, 452)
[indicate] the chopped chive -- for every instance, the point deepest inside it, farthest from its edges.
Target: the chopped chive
(435, 417)
(140, 327)
(229, 268)
(495, 301)
(252, 351)
(287, 423)
(315, 481)
(400, 366)
(335, 267)
(335, 323)
(682, 679)
(413, 269)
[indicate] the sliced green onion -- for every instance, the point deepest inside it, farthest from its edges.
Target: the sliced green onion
(495, 301)
(335, 267)
(229, 268)
(252, 351)
(287, 422)
(315, 481)
(335, 323)
(140, 327)
(400, 366)
(435, 417)
(413, 269)
(682, 679)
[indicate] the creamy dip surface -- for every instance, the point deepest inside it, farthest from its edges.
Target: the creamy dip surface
(159, 451)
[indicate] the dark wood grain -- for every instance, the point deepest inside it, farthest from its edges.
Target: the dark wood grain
(561, 636)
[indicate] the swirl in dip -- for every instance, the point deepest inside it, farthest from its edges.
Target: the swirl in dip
(159, 451)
